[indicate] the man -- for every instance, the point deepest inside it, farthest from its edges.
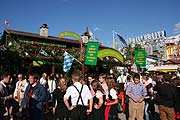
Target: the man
(4, 95)
(80, 95)
(166, 98)
(136, 91)
(20, 88)
(52, 85)
(34, 96)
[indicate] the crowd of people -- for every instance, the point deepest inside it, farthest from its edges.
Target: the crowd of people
(97, 97)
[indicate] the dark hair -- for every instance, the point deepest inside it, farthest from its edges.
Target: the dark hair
(62, 86)
(102, 75)
(92, 75)
(166, 77)
(149, 86)
(35, 75)
(136, 75)
(128, 77)
(111, 83)
(52, 76)
(98, 85)
(4, 75)
(76, 76)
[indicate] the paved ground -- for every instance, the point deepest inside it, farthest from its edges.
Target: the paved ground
(122, 116)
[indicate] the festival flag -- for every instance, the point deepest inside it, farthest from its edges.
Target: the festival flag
(7, 23)
(121, 39)
(115, 45)
(68, 59)
(43, 52)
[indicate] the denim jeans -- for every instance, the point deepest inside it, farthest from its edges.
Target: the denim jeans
(146, 113)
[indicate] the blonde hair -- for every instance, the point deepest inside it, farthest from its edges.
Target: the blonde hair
(44, 75)
(111, 83)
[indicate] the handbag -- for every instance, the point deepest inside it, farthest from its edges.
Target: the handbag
(119, 106)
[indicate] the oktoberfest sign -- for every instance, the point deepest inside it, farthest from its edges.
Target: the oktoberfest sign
(69, 33)
(92, 53)
(140, 58)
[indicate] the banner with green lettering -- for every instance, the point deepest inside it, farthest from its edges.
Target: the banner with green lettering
(140, 58)
(92, 53)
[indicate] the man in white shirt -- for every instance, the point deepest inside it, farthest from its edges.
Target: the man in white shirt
(20, 88)
(80, 95)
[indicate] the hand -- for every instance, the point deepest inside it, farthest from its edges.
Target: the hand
(20, 110)
(33, 95)
(10, 96)
(96, 106)
(53, 110)
(105, 103)
(72, 107)
(135, 100)
(140, 100)
(88, 111)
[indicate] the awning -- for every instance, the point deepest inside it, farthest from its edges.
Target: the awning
(164, 68)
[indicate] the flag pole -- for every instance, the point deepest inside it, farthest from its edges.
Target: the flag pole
(75, 59)
(113, 40)
(81, 59)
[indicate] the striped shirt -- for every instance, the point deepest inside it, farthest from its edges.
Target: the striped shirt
(136, 90)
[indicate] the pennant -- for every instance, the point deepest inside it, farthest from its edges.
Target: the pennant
(43, 52)
(121, 39)
(68, 59)
(7, 23)
(53, 52)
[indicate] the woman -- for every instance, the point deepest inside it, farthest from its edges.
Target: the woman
(60, 110)
(43, 79)
(149, 108)
(177, 104)
(111, 112)
(98, 100)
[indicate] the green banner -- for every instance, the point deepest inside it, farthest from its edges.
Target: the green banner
(92, 53)
(37, 63)
(111, 53)
(69, 33)
(140, 58)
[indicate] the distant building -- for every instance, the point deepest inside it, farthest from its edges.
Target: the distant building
(158, 45)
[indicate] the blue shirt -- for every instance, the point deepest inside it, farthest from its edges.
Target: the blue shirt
(136, 90)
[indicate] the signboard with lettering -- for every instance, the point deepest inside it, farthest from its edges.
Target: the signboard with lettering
(147, 37)
(140, 58)
(92, 53)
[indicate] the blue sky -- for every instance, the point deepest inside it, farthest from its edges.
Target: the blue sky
(130, 18)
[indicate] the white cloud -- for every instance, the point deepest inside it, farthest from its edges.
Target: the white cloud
(96, 29)
(176, 28)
